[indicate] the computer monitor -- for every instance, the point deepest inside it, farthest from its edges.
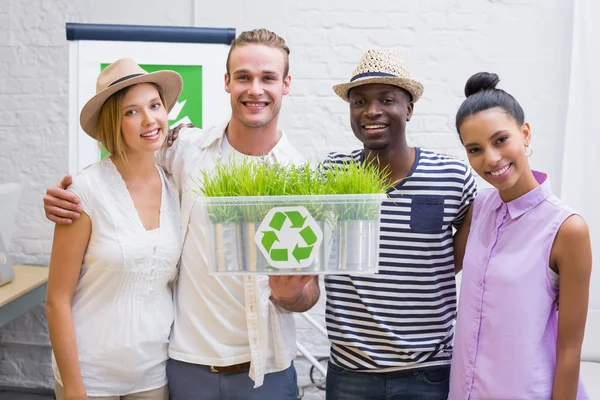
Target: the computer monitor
(9, 202)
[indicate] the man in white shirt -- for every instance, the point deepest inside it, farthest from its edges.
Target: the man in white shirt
(233, 337)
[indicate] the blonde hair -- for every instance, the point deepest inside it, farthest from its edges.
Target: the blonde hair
(109, 122)
(265, 37)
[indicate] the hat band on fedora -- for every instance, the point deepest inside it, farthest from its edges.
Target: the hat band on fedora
(371, 75)
(124, 79)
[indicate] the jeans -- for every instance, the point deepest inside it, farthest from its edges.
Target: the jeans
(432, 383)
(197, 382)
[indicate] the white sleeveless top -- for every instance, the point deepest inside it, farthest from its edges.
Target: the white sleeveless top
(123, 305)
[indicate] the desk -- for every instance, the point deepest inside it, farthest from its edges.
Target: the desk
(27, 290)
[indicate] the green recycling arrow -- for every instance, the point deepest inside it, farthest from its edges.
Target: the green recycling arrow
(296, 218)
(269, 238)
(283, 243)
(279, 254)
(308, 235)
(301, 253)
(277, 221)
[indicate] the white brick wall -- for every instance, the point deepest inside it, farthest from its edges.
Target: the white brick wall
(33, 120)
(527, 42)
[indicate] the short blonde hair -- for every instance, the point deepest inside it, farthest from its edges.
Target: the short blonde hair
(265, 37)
(109, 123)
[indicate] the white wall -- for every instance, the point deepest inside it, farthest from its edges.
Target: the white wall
(527, 42)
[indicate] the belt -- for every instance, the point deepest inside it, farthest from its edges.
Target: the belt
(231, 369)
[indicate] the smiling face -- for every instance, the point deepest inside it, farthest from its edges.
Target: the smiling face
(495, 146)
(144, 119)
(257, 84)
(378, 115)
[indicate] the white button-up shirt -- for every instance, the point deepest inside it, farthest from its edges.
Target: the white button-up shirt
(208, 312)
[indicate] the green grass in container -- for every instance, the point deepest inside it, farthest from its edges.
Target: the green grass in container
(247, 177)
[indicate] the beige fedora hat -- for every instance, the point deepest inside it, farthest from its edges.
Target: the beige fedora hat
(121, 74)
(381, 66)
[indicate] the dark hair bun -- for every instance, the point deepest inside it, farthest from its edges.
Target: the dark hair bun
(481, 81)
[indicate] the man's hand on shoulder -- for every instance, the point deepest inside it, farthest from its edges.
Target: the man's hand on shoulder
(174, 133)
(61, 206)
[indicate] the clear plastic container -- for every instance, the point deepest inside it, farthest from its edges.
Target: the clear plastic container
(293, 235)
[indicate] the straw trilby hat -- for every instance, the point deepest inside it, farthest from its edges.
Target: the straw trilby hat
(121, 74)
(381, 66)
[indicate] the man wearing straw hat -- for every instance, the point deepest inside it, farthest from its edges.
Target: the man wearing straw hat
(233, 337)
(391, 333)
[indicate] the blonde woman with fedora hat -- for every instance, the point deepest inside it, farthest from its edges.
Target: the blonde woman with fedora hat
(109, 301)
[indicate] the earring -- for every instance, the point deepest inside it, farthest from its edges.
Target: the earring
(528, 147)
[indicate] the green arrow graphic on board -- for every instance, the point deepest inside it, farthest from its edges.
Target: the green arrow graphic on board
(277, 221)
(301, 253)
(308, 235)
(269, 239)
(279, 254)
(289, 245)
(296, 218)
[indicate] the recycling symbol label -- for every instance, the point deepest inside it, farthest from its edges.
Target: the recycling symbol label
(289, 237)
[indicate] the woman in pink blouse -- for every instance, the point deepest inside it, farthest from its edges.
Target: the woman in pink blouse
(518, 245)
